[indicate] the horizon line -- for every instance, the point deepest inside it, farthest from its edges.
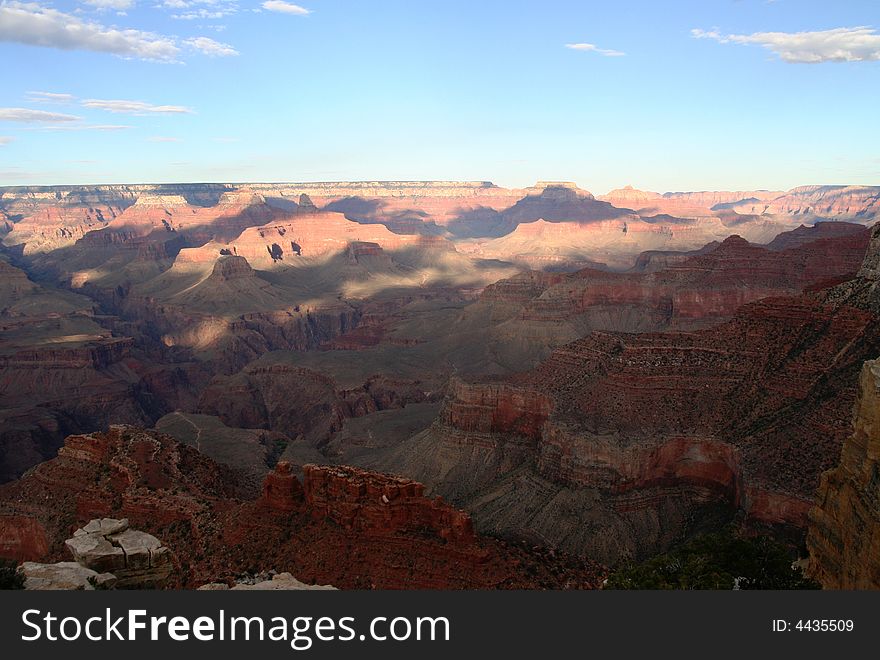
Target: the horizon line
(486, 183)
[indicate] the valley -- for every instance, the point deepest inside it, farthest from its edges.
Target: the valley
(586, 380)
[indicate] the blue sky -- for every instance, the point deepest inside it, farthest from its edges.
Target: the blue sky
(662, 95)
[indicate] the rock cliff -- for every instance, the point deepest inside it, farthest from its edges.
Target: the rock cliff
(346, 527)
(844, 533)
(685, 293)
(626, 442)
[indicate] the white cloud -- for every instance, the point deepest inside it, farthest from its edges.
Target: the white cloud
(34, 25)
(855, 44)
(604, 52)
(285, 8)
(31, 116)
(226, 140)
(186, 4)
(50, 97)
(210, 47)
(119, 5)
(190, 10)
(200, 13)
(5, 139)
(159, 138)
(135, 107)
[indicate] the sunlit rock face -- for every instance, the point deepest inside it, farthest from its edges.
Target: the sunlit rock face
(602, 374)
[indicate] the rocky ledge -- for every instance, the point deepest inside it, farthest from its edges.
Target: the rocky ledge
(276, 582)
(107, 553)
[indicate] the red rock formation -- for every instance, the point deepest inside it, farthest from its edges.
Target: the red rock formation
(52, 227)
(232, 268)
(353, 529)
(378, 505)
(561, 202)
(160, 214)
(316, 234)
(281, 489)
(737, 382)
(819, 231)
(645, 429)
(617, 242)
(496, 407)
(692, 291)
(688, 204)
(844, 202)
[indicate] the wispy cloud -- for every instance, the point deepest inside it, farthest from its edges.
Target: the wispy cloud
(285, 8)
(162, 138)
(190, 10)
(854, 44)
(201, 14)
(118, 5)
(135, 107)
(5, 139)
(210, 47)
(27, 115)
(226, 140)
(34, 25)
(50, 97)
(604, 52)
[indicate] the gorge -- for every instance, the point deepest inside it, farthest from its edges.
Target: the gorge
(585, 381)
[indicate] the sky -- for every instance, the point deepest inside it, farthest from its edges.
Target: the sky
(676, 95)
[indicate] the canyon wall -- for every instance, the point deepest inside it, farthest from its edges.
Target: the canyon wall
(619, 445)
(844, 532)
(345, 526)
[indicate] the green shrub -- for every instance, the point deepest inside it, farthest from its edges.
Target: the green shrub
(721, 560)
(10, 577)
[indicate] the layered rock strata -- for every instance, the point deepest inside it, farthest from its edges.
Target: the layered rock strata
(346, 527)
(844, 533)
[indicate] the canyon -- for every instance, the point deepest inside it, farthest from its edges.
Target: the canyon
(391, 534)
(585, 380)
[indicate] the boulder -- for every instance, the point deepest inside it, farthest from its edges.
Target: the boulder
(66, 576)
(136, 558)
(283, 582)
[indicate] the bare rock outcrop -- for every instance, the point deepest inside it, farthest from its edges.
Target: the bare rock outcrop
(64, 576)
(107, 554)
(844, 532)
(278, 582)
(110, 546)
